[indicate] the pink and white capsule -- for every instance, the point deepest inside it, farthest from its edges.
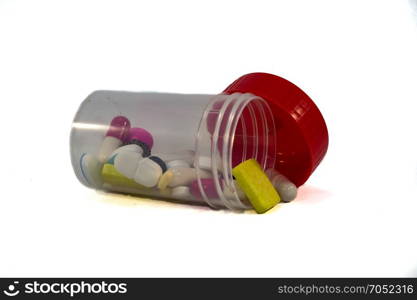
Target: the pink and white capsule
(115, 136)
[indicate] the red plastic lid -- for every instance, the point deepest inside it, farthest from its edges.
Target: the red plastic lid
(302, 137)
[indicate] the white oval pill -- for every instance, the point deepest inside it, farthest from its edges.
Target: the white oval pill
(181, 192)
(177, 163)
(109, 144)
(184, 176)
(126, 163)
(148, 172)
(91, 170)
(130, 148)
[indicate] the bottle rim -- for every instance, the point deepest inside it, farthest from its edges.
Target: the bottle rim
(219, 138)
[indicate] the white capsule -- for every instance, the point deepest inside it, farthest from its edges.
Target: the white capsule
(204, 162)
(177, 163)
(147, 173)
(91, 170)
(184, 176)
(126, 163)
(181, 192)
(110, 144)
(285, 188)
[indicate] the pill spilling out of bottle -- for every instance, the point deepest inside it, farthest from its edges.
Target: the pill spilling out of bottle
(133, 160)
(249, 147)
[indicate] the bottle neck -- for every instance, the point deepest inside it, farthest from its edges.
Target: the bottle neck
(234, 128)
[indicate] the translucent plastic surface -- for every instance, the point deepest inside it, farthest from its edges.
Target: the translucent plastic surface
(172, 146)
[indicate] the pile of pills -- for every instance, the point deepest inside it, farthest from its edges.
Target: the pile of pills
(125, 159)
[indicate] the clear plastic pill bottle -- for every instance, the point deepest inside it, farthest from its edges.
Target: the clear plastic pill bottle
(183, 147)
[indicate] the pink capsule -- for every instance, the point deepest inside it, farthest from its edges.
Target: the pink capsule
(141, 135)
(115, 137)
(119, 128)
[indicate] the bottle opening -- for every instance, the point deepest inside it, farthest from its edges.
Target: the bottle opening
(234, 128)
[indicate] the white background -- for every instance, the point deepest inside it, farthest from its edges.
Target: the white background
(356, 216)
